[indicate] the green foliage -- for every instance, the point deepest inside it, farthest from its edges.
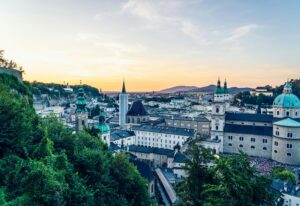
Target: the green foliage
(279, 172)
(247, 98)
(43, 163)
(229, 181)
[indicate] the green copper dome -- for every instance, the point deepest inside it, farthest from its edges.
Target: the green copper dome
(287, 99)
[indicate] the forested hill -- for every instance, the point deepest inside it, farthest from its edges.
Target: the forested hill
(57, 90)
(43, 163)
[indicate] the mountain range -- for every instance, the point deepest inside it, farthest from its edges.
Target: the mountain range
(209, 88)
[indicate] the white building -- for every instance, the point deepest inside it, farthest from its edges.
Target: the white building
(161, 137)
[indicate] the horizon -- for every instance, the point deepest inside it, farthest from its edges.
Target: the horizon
(153, 45)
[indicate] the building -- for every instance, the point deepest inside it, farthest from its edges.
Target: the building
(123, 106)
(274, 136)
(290, 193)
(137, 113)
(161, 137)
(266, 90)
(81, 112)
(123, 138)
(104, 129)
(199, 124)
(155, 157)
(146, 172)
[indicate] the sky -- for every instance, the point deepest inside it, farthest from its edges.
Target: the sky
(153, 44)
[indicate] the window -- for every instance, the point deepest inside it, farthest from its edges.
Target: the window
(230, 137)
(264, 148)
(277, 112)
(289, 146)
(287, 114)
(296, 113)
(252, 147)
(217, 127)
(241, 145)
(229, 144)
(217, 110)
(241, 138)
(265, 141)
(275, 151)
(289, 134)
(288, 154)
(277, 133)
(276, 143)
(252, 139)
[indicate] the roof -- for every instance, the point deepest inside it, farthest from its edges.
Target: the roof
(198, 119)
(165, 130)
(287, 100)
(230, 116)
(149, 150)
(120, 134)
(179, 157)
(114, 147)
(144, 169)
(288, 122)
(137, 109)
(248, 129)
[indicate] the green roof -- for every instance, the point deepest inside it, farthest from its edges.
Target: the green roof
(288, 122)
(103, 128)
(287, 100)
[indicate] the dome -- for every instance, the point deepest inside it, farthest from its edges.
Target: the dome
(287, 99)
(103, 128)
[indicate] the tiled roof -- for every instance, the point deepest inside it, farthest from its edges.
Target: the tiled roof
(179, 157)
(137, 109)
(149, 150)
(230, 116)
(144, 169)
(120, 134)
(248, 129)
(165, 130)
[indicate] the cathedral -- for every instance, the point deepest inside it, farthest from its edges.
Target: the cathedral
(275, 137)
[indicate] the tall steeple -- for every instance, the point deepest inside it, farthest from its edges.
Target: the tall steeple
(124, 88)
(123, 106)
(225, 87)
(218, 89)
(81, 101)
(81, 111)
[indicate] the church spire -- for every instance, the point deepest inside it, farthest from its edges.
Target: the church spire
(124, 88)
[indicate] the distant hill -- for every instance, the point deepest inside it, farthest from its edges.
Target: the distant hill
(209, 88)
(178, 89)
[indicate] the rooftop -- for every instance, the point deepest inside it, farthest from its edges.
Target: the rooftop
(248, 129)
(248, 117)
(165, 130)
(120, 134)
(288, 122)
(144, 169)
(149, 150)
(137, 109)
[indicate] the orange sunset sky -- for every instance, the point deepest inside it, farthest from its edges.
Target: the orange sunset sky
(153, 44)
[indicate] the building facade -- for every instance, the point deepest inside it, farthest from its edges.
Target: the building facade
(161, 137)
(276, 136)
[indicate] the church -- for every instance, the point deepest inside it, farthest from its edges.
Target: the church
(275, 137)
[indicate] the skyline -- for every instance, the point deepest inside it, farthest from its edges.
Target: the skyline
(153, 45)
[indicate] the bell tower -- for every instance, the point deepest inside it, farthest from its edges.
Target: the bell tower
(81, 111)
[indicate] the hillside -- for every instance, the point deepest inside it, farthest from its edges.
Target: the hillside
(178, 89)
(43, 163)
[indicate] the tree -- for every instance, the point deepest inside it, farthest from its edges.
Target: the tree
(218, 181)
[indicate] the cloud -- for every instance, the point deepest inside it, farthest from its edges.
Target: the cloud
(152, 13)
(242, 31)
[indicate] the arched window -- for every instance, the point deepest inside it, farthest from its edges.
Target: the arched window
(217, 110)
